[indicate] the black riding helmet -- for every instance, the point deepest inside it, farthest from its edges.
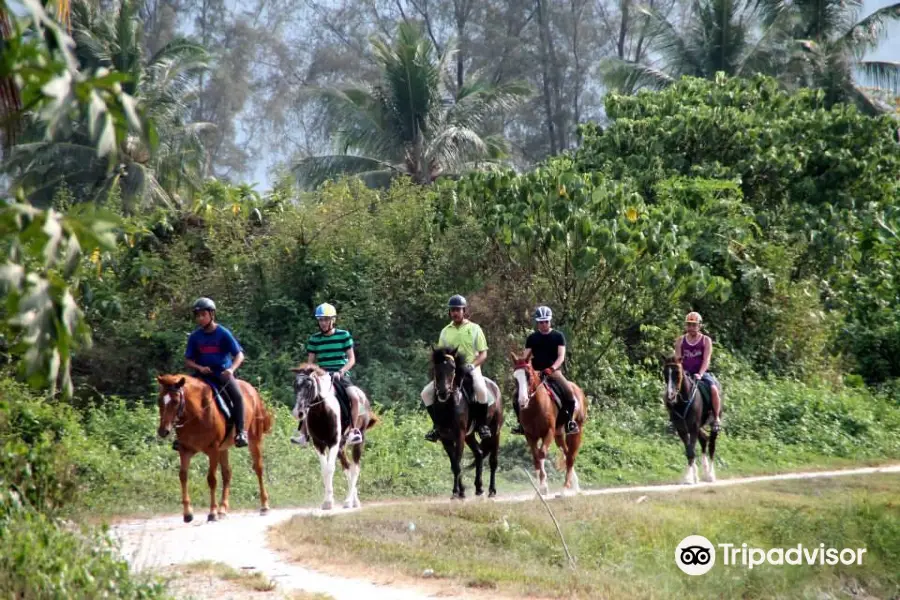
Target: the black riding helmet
(457, 301)
(204, 304)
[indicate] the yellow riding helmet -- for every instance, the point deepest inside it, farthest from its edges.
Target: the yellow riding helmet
(693, 317)
(325, 310)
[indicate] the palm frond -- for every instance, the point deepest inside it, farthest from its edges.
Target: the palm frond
(627, 77)
(312, 171)
(868, 33)
(881, 74)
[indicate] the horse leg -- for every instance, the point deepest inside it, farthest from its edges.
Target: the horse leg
(226, 482)
(353, 478)
(573, 444)
(183, 477)
(712, 455)
(211, 481)
(703, 454)
(448, 448)
(460, 448)
(492, 461)
(479, 463)
(256, 454)
(327, 461)
(690, 449)
(347, 467)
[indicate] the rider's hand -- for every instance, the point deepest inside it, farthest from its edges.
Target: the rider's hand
(228, 373)
(548, 371)
(205, 370)
(697, 375)
(470, 367)
(336, 375)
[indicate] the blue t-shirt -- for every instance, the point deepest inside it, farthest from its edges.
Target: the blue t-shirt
(213, 349)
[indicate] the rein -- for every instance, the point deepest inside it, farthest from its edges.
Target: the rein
(453, 388)
(690, 402)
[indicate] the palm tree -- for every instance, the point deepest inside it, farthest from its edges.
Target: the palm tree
(163, 83)
(830, 43)
(408, 122)
(720, 36)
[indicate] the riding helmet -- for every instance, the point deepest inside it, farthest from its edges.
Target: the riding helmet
(543, 313)
(204, 304)
(457, 301)
(325, 310)
(693, 317)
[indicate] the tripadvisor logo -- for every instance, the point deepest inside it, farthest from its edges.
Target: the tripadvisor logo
(696, 555)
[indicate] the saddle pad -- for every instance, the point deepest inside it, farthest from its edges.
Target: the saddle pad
(220, 401)
(553, 388)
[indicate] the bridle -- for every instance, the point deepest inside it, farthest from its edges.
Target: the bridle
(452, 389)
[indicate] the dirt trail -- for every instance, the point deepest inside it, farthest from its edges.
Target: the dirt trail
(240, 541)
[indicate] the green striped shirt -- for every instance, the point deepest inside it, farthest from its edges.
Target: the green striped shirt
(330, 350)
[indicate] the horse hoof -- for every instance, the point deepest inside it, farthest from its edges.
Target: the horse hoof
(356, 504)
(212, 517)
(264, 510)
(327, 505)
(348, 504)
(188, 518)
(222, 515)
(492, 494)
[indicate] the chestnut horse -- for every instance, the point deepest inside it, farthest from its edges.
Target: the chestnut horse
(187, 404)
(455, 427)
(537, 414)
(688, 413)
(314, 395)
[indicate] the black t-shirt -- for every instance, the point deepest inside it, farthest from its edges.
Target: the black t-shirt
(545, 348)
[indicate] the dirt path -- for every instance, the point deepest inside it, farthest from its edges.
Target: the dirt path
(240, 542)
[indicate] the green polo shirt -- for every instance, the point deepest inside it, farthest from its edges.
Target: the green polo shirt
(468, 338)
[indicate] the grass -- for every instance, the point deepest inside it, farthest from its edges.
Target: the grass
(625, 549)
(254, 582)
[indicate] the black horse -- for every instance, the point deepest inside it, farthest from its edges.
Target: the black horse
(453, 421)
(689, 412)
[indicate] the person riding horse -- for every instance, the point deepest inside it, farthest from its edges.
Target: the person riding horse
(694, 351)
(332, 350)
(209, 353)
(546, 348)
(468, 338)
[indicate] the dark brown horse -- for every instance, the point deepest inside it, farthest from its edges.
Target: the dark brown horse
(187, 404)
(688, 413)
(455, 427)
(537, 414)
(314, 395)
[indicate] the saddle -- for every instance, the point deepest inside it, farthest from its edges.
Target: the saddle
(552, 387)
(224, 406)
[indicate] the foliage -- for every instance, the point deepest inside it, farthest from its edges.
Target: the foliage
(409, 122)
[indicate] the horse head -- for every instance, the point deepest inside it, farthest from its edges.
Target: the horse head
(170, 401)
(310, 383)
(446, 368)
(526, 379)
(673, 376)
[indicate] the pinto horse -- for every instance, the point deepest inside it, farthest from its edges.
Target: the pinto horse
(456, 429)
(187, 404)
(315, 397)
(688, 414)
(537, 414)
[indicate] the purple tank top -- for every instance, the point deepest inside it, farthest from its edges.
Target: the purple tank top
(692, 355)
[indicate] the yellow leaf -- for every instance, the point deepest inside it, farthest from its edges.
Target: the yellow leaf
(562, 191)
(235, 209)
(631, 214)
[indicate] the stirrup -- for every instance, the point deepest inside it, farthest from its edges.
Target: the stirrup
(299, 438)
(433, 435)
(354, 437)
(484, 431)
(572, 427)
(715, 426)
(240, 440)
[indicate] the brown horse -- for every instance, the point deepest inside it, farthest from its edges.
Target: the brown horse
(315, 398)
(187, 404)
(537, 414)
(688, 413)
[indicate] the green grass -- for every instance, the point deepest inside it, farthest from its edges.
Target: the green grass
(255, 582)
(625, 549)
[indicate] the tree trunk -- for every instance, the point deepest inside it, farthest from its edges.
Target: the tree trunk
(543, 31)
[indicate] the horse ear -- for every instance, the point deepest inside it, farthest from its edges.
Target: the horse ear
(514, 356)
(159, 379)
(180, 383)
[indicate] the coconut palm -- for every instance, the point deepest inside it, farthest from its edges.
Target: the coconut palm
(720, 36)
(830, 43)
(111, 40)
(408, 122)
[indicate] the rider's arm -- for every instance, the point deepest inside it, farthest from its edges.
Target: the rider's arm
(707, 355)
(190, 364)
(237, 362)
(480, 358)
(528, 354)
(351, 360)
(560, 358)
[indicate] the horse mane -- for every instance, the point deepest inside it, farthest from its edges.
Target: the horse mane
(309, 369)
(438, 354)
(170, 380)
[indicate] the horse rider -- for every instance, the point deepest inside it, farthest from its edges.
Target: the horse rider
(332, 350)
(215, 354)
(468, 338)
(546, 347)
(694, 351)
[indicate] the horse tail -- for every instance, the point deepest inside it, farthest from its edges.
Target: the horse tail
(268, 419)
(373, 420)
